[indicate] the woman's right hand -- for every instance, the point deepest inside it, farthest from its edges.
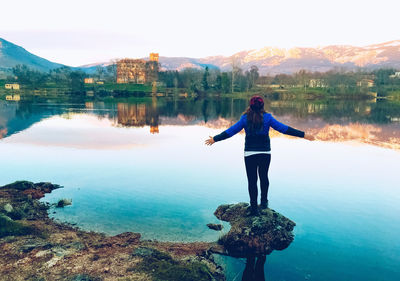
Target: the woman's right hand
(309, 136)
(210, 141)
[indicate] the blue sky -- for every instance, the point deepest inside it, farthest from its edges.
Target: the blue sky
(81, 32)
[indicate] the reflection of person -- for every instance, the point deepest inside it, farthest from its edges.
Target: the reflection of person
(257, 150)
(254, 271)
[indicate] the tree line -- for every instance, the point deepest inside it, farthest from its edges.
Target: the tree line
(66, 77)
(213, 80)
(210, 80)
(337, 81)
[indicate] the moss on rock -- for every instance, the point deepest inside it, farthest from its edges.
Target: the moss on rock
(9, 227)
(162, 266)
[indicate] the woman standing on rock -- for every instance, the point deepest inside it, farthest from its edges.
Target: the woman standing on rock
(257, 150)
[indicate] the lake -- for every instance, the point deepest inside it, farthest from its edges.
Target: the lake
(141, 165)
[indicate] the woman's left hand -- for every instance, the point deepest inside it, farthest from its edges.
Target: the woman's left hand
(210, 141)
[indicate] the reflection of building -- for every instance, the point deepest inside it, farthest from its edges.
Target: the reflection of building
(89, 105)
(131, 114)
(3, 133)
(13, 97)
(13, 86)
(138, 115)
(138, 71)
(154, 129)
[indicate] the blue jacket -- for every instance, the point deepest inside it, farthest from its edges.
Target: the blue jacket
(258, 141)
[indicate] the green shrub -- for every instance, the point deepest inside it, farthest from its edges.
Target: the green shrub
(9, 227)
(162, 266)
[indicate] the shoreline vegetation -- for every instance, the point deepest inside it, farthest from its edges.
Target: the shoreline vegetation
(65, 83)
(35, 247)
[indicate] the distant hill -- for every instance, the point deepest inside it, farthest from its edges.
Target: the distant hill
(11, 55)
(277, 60)
(269, 60)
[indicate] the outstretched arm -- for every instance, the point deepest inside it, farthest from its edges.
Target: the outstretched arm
(233, 130)
(287, 130)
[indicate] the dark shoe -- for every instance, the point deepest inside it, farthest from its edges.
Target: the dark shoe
(264, 205)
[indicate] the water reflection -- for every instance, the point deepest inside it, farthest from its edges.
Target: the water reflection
(330, 191)
(138, 115)
(373, 122)
(254, 270)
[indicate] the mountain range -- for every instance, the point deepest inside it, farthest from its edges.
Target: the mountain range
(11, 55)
(269, 60)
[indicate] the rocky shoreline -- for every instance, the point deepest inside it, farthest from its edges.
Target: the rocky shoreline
(35, 247)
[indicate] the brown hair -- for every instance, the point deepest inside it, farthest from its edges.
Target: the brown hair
(254, 119)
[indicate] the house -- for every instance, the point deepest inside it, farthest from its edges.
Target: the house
(89, 80)
(395, 75)
(365, 83)
(317, 83)
(13, 86)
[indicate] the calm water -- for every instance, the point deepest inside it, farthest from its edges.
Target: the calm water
(142, 166)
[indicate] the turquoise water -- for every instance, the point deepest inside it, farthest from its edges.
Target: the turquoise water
(342, 192)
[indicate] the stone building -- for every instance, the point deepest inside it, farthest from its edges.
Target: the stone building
(138, 71)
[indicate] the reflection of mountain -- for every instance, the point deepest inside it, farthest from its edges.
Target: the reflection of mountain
(18, 117)
(372, 122)
(384, 136)
(387, 136)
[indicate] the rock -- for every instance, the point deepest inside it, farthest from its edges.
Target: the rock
(30, 189)
(20, 185)
(64, 202)
(214, 226)
(83, 277)
(32, 244)
(8, 208)
(255, 235)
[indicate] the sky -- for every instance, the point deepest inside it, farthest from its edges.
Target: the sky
(82, 32)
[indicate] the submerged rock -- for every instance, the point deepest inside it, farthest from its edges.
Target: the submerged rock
(253, 235)
(64, 202)
(214, 226)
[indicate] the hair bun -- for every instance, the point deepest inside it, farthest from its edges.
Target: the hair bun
(256, 103)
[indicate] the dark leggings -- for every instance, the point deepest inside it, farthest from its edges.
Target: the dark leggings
(257, 162)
